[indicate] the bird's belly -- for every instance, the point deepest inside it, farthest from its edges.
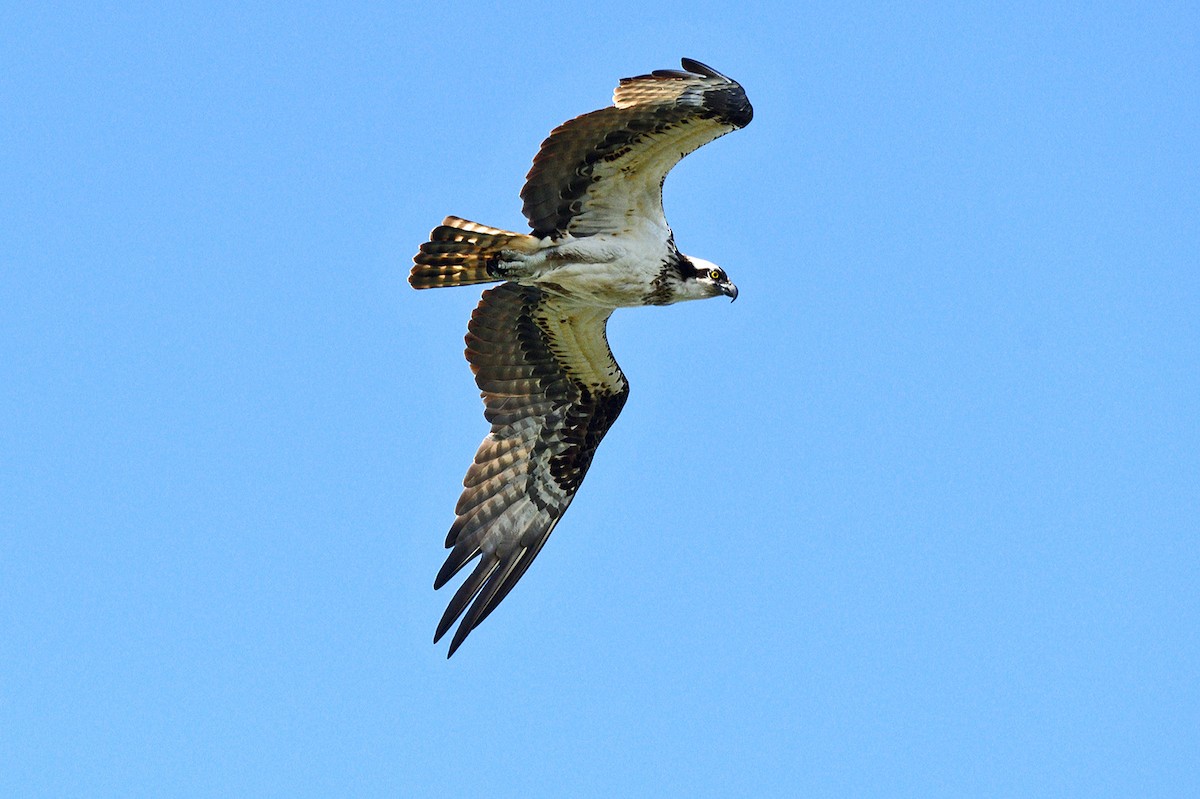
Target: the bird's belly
(620, 283)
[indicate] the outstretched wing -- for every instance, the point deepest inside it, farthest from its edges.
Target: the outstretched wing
(603, 171)
(551, 390)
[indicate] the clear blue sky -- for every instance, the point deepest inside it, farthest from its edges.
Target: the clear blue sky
(917, 516)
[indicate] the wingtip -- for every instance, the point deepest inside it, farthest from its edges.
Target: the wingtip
(455, 642)
(460, 635)
(453, 645)
(699, 68)
(446, 622)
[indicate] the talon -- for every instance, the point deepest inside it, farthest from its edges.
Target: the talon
(495, 268)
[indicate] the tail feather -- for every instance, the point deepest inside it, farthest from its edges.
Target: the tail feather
(460, 253)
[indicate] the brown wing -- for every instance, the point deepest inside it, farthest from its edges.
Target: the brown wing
(602, 171)
(551, 390)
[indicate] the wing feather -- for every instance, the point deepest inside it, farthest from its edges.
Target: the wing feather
(462, 597)
(484, 603)
(603, 171)
(551, 391)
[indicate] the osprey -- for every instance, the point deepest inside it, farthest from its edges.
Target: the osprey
(537, 342)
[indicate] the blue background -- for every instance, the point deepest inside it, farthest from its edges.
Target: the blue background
(916, 517)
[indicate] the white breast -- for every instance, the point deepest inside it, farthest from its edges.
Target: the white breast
(603, 270)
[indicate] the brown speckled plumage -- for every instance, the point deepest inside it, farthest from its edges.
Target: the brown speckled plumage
(537, 344)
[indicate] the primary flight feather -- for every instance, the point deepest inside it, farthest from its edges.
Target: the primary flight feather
(536, 343)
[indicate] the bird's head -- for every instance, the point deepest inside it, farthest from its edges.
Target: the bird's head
(707, 280)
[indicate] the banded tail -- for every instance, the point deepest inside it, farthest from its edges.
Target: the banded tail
(459, 253)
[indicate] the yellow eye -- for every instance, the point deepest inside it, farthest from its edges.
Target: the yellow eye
(714, 274)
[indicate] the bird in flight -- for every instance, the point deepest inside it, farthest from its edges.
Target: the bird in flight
(536, 343)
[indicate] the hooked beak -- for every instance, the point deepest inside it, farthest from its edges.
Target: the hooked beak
(730, 291)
